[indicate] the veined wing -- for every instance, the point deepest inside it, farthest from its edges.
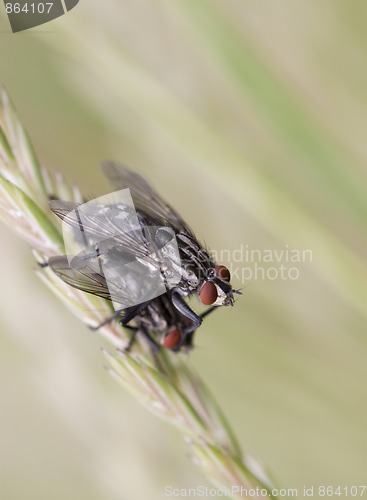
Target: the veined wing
(96, 223)
(83, 278)
(85, 275)
(146, 199)
(113, 272)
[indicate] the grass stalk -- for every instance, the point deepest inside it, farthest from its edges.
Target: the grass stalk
(169, 388)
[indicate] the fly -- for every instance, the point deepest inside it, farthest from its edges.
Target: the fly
(156, 225)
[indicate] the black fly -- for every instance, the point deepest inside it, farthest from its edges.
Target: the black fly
(167, 315)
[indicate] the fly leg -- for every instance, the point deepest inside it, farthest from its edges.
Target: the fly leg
(132, 312)
(188, 333)
(154, 349)
(186, 311)
(208, 311)
(132, 339)
(152, 342)
(107, 321)
(42, 265)
(129, 315)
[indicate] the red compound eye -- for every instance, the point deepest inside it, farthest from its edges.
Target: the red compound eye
(223, 273)
(208, 293)
(172, 339)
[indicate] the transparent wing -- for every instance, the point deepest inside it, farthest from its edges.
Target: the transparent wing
(62, 208)
(84, 278)
(96, 223)
(115, 273)
(85, 274)
(115, 251)
(146, 200)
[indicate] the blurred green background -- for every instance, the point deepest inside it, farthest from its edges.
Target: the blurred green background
(249, 117)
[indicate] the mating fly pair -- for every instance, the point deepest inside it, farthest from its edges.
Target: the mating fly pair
(132, 248)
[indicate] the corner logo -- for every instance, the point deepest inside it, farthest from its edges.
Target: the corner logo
(24, 15)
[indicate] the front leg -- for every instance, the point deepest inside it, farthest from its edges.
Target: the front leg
(189, 332)
(186, 311)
